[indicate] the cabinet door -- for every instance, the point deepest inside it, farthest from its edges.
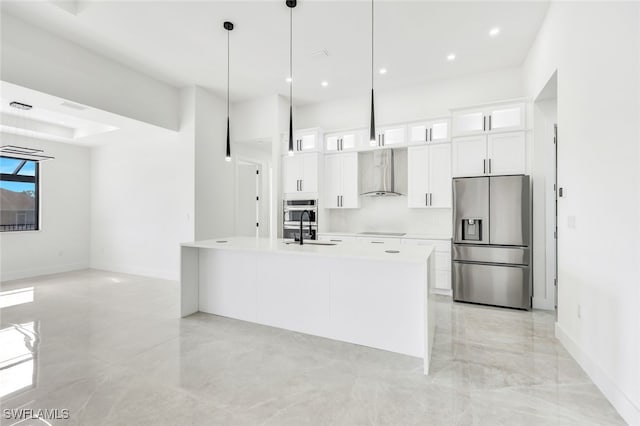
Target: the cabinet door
(307, 141)
(418, 132)
(439, 131)
(468, 122)
(394, 136)
(351, 140)
(291, 173)
(309, 172)
(418, 176)
(469, 155)
(440, 175)
(332, 180)
(507, 153)
(506, 117)
(350, 185)
(331, 142)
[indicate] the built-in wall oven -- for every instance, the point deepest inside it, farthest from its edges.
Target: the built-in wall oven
(292, 211)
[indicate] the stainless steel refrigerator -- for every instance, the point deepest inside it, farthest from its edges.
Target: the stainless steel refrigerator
(491, 247)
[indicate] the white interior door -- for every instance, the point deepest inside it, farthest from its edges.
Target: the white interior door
(418, 176)
(507, 152)
(440, 175)
(247, 212)
(469, 154)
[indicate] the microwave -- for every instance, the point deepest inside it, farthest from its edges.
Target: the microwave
(292, 211)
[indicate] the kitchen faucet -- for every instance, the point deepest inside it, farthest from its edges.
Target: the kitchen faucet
(301, 220)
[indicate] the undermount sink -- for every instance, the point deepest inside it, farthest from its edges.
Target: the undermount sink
(311, 243)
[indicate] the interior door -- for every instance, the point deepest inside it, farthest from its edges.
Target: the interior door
(418, 176)
(349, 181)
(333, 177)
(510, 210)
(440, 175)
(507, 153)
(471, 202)
(469, 155)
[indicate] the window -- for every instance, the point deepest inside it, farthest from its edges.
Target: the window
(19, 194)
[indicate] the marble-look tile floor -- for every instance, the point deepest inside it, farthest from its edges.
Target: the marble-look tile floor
(111, 349)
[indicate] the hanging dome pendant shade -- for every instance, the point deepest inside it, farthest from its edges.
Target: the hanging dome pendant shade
(372, 129)
(229, 27)
(291, 4)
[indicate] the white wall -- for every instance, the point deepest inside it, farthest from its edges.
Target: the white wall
(39, 60)
(214, 177)
(142, 197)
(415, 103)
(62, 243)
(595, 48)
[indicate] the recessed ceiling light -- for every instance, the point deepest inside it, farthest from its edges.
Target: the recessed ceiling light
(383, 71)
(324, 83)
(494, 31)
(288, 79)
(451, 56)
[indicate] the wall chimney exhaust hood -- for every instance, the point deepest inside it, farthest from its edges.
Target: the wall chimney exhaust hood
(378, 174)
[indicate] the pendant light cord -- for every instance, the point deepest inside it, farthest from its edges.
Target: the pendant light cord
(291, 57)
(228, 75)
(371, 44)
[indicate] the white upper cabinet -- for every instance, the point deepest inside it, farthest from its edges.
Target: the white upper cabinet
(485, 155)
(300, 174)
(345, 141)
(341, 181)
(469, 156)
(391, 136)
(304, 140)
(429, 176)
(429, 131)
(506, 153)
(489, 119)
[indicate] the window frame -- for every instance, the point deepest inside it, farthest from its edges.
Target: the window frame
(35, 179)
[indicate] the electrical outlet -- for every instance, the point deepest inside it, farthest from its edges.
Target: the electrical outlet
(579, 311)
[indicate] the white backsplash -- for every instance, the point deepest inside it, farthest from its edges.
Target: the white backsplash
(386, 214)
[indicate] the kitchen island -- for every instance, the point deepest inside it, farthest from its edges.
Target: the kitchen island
(379, 296)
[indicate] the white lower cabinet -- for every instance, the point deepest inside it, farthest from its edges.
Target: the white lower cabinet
(443, 261)
(429, 176)
(341, 181)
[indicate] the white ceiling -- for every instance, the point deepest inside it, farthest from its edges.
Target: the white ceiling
(184, 43)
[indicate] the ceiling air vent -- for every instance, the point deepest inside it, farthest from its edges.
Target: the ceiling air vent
(71, 105)
(20, 105)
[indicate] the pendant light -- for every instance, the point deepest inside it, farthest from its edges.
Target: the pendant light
(228, 26)
(291, 4)
(372, 130)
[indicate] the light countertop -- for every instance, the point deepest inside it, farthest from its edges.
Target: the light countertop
(346, 249)
(446, 237)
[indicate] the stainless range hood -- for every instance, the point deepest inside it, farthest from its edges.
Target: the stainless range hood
(378, 174)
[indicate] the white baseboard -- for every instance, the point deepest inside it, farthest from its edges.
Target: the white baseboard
(9, 275)
(629, 411)
(164, 274)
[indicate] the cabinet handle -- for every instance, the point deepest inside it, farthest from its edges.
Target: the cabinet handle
(431, 198)
(484, 166)
(426, 134)
(337, 201)
(431, 135)
(341, 144)
(301, 184)
(342, 201)
(489, 165)
(484, 123)
(383, 139)
(489, 125)
(426, 198)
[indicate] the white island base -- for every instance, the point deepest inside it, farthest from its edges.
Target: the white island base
(354, 292)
